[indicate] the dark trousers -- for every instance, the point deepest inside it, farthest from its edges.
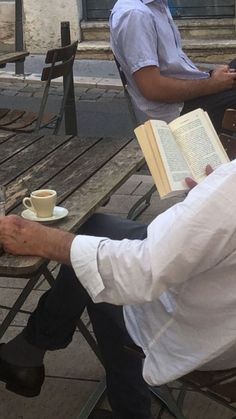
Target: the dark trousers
(53, 323)
(215, 105)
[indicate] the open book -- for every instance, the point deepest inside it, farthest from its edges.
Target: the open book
(180, 149)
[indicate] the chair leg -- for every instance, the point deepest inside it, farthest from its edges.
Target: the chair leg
(42, 106)
(163, 393)
(18, 304)
(181, 397)
(62, 109)
(141, 204)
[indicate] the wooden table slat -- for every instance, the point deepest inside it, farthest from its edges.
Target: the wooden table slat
(12, 56)
(16, 143)
(5, 135)
(85, 166)
(38, 148)
(41, 172)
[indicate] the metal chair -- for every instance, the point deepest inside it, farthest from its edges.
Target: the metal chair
(65, 56)
(144, 201)
(228, 133)
(61, 60)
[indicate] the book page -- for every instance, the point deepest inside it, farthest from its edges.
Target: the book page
(175, 165)
(199, 142)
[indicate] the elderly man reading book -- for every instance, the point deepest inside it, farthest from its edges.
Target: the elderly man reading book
(162, 298)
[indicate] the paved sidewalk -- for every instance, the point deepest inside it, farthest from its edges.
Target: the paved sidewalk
(83, 90)
(102, 104)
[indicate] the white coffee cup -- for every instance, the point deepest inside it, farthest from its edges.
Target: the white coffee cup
(42, 202)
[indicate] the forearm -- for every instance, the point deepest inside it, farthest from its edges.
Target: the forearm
(156, 87)
(172, 90)
(55, 245)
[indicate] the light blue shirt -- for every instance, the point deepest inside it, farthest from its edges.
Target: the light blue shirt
(143, 34)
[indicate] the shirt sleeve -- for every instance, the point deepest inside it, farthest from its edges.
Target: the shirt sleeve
(134, 36)
(188, 239)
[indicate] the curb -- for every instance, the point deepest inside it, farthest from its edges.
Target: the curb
(90, 82)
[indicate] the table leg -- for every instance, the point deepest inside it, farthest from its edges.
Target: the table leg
(18, 304)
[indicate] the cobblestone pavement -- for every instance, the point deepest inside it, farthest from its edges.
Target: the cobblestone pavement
(35, 90)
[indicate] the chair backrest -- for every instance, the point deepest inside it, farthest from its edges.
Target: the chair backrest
(229, 121)
(64, 56)
(227, 135)
(58, 70)
(125, 85)
(121, 73)
(61, 60)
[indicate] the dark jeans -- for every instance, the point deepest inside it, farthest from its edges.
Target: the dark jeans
(53, 323)
(215, 105)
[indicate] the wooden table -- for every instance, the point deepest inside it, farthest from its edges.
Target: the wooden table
(12, 57)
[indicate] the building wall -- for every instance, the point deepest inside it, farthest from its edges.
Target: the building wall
(41, 23)
(7, 24)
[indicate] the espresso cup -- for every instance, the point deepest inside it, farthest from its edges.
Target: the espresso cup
(42, 202)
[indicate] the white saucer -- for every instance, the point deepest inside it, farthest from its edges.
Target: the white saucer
(58, 213)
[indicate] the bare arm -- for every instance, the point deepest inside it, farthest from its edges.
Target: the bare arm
(23, 237)
(153, 86)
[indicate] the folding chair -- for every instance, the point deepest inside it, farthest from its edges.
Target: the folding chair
(66, 56)
(61, 60)
(144, 201)
(219, 386)
(228, 133)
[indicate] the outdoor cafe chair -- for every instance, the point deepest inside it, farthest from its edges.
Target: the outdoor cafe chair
(144, 201)
(61, 62)
(228, 133)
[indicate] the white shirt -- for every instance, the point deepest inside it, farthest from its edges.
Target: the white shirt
(143, 34)
(178, 286)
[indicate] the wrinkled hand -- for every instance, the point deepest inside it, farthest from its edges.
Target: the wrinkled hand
(223, 78)
(19, 236)
(191, 183)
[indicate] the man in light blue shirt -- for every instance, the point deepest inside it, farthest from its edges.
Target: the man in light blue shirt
(162, 80)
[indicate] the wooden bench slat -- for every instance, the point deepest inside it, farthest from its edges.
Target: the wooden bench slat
(10, 117)
(3, 112)
(46, 119)
(26, 119)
